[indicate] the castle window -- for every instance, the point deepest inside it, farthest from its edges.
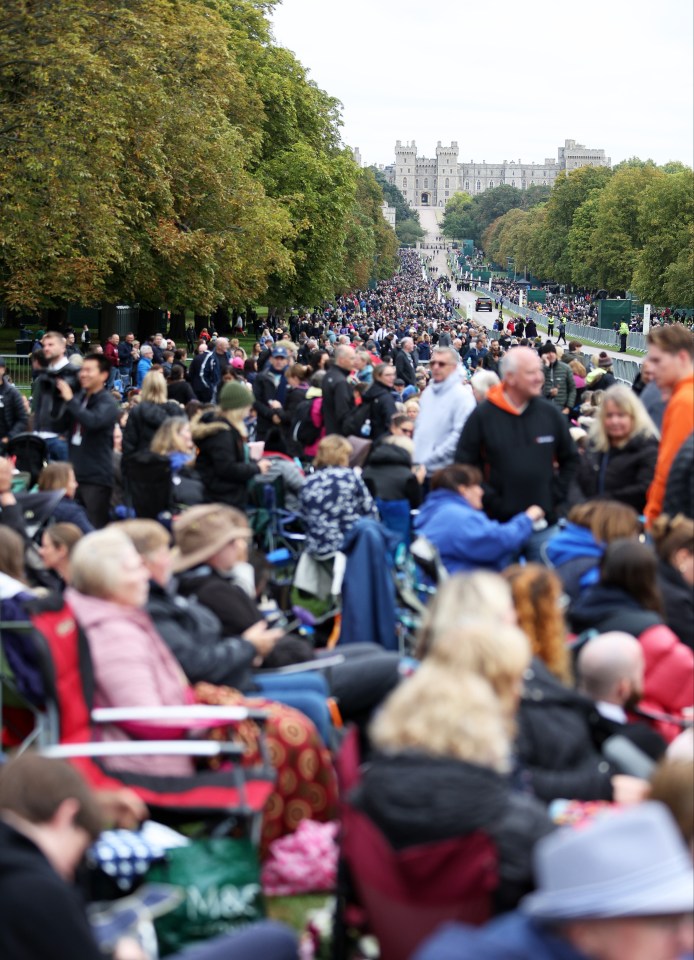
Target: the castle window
(408, 170)
(404, 183)
(513, 183)
(447, 184)
(467, 185)
(544, 183)
(446, 193)
(426, 183)
(491, 184)
(479, 185)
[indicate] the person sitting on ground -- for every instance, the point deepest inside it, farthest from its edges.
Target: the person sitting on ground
(453, 520)
(333, 499)
(61, 476)
(443, 743)
(618, 888)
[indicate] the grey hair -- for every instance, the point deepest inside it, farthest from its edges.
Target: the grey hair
(146, 350)
(96, 562)
(452, 354)
(342, 351)
(482, 380)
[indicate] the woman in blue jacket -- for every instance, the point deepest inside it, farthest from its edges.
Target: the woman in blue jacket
(453, 520)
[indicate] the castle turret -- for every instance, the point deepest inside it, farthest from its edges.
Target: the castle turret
(446, 173)
(406, 170)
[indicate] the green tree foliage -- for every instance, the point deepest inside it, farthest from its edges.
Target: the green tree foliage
(469, 217)
(169, 153)
(458, 220)
(665, 264)
(629, 228)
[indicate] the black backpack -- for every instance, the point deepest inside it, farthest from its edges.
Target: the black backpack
(304, 430)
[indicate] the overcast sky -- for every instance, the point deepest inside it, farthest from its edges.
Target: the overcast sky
(507, 79)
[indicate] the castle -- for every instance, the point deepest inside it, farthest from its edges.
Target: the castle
(431, 182)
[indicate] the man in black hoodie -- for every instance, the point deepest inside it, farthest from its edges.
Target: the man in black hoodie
(521, 442)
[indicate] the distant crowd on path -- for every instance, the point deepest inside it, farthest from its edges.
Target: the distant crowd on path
(560, 504)
(583, 307)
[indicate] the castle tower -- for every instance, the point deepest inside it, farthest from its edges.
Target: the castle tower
(446, 172)
(406, 170)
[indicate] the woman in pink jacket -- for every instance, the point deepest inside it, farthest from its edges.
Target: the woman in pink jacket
(133, 667)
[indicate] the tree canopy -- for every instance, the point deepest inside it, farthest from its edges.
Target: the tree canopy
(627, 228)
(169, 153)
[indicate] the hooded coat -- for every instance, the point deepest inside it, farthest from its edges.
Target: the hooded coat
(388, 474)
(222, 463)
(415, 798)
(526, 456)
(620, 473)
(466, 538)
(143, 422)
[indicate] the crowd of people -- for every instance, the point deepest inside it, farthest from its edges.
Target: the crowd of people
(560, 506)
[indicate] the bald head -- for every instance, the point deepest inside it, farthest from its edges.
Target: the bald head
(610, 668)
(523, 375)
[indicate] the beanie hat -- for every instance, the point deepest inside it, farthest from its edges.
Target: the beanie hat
(548, 348)
(604, 360)
(234, 396)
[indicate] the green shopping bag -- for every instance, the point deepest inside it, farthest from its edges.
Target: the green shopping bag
(220, 879)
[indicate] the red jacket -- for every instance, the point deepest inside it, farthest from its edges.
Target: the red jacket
(111, 351)
(669, 676)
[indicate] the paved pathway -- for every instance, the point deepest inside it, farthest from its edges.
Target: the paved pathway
(429, 218)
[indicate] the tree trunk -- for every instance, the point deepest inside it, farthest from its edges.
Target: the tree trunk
(148, 323)
(177, 326)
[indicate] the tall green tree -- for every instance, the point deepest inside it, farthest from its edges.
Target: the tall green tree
(664, 272)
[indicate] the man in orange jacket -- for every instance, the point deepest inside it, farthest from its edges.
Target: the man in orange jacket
(671, 354)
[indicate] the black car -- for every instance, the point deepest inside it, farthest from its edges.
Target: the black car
(484, 303)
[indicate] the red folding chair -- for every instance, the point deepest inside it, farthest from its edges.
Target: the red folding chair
(239, 792)
(406, 894)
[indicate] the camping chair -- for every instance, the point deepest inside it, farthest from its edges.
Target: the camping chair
(273, 526)
(37, 510)
(406, 894)
(31, 454)
(237, 795)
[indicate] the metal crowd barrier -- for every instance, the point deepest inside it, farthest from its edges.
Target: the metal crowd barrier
(19, 370)
(582, 331)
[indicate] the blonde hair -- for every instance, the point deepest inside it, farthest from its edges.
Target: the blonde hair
(536, 594)
(167, 439)
(96, 561)
(411, 404)
(154, 388)
(333, 451)
(147, 536)
(237, 418)
(627, 402)
(577, 367)
(464, 599)
(441, 714)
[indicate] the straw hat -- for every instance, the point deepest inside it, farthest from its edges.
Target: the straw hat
(202, 531)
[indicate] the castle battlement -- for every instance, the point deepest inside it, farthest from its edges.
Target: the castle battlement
(432, 181)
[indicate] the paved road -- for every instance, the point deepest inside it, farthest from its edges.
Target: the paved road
(429, 218)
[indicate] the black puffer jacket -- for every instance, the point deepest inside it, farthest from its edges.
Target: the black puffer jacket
(555, 742)
(143, 422)
(221, 462)
(414, 798)
(193, 633)
(622, 473)
(604, 608)
(388, 475)
(13, 413)
(381, 409)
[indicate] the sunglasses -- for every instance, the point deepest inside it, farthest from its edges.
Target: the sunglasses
(407, 433)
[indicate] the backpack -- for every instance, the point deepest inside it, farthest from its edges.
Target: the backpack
(304, 430)
(209, 372)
